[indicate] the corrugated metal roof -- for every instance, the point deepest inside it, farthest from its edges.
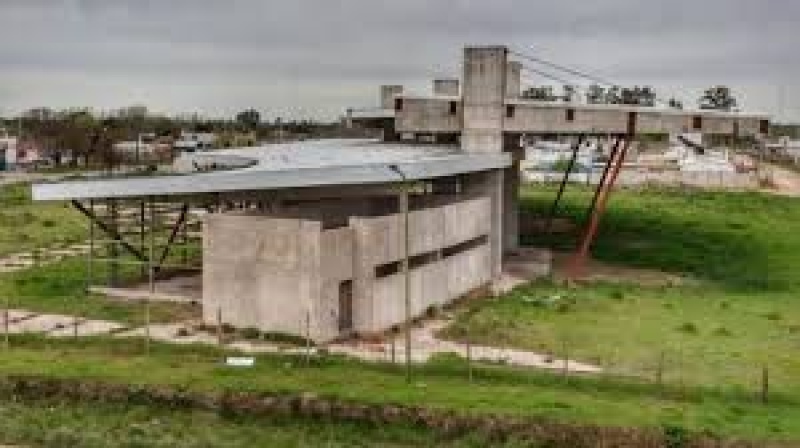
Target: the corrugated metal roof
(292, 165)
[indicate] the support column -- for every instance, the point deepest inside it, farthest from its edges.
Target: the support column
(511, 185)
(483, 94)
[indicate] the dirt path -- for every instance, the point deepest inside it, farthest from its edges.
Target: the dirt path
(785, 182)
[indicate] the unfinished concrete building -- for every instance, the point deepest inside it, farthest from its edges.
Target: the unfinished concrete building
(311, 238)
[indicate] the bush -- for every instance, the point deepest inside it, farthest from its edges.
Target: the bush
(675, 436)
(688, 327)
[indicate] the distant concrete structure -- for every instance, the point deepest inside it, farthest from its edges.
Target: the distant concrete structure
(308, 238)
(446, 87)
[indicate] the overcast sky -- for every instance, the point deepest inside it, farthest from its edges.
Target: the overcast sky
(314, 58)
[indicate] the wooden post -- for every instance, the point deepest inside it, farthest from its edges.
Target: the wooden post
(469, 359)
(565, 355)
(7, 341)
(394, 346)
(660, 370)
(219, 326)
(308, 338)
(151, 274)
(765, 385)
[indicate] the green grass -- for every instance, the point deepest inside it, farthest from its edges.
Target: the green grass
(60, 288)
(739, 311)
(441, 384)
(58, 425)
(715, 333)
(25, 225)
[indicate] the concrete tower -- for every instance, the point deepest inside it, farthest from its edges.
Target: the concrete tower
(483, 95)
(388, 92)
(513, 79)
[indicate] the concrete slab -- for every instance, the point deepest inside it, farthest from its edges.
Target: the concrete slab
(172, 333)
(15, 316)
(184, 289)
(87, 328)
(42, 323)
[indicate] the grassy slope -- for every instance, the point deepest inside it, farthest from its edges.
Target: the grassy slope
(742, 314)
(60, 288)
(25, 225)
(99, 426)
(741, 279)
(441, 384)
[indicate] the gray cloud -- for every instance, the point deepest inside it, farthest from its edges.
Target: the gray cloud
(315, 58)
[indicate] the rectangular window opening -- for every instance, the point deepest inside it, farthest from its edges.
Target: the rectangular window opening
(570, 114)
(398, 104)
(510, 111)
(465, 246)
(763, 126)
(453, 107)
(697, 123)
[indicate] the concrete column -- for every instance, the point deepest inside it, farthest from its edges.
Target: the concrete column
(363, 279)
(388, 92)
(513, 79)
(483, 95)
(490, 184)
(446, 87)
(511, 185)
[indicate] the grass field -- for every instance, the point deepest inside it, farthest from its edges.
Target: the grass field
(716, 332)
(738, 312)
(25, 225)
(440, 384)
(60, 288)
(59, 425)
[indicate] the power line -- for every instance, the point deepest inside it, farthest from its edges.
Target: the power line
(563, 68)
(573, 71)
(545, 74)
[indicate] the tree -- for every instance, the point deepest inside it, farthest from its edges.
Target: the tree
(613, 95)
(596, 94)
(718, 98)
(675, 103)
(249, 118)
(570, 93)
(539, 93)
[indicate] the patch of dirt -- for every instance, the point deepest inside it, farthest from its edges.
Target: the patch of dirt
(782, 181)
(595, 270)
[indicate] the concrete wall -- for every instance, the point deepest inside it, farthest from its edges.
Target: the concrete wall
(429, 115)
(513, 79)
(274, 273)
(388, 92)
(629, 178)
(379, 301)
(261, 272)
(446, 87)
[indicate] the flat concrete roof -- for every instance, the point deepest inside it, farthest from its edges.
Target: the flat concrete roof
(291, 165)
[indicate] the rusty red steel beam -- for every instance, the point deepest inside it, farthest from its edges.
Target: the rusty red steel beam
(575, 268)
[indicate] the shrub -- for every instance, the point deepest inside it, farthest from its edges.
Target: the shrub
(675, 436)
(251, 333)
(688, 327)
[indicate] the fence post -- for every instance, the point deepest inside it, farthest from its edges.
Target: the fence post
(393, 339)
(469, 359)
(660, 370)
(219, 326)
(308, 337)
(6, 315)
(565, 355)
(765, 385)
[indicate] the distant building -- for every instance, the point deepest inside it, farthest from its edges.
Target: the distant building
(195, 142)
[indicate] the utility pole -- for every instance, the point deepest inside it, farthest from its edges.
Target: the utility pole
(404, 209)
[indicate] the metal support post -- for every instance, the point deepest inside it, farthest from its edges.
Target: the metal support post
(554, 208)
